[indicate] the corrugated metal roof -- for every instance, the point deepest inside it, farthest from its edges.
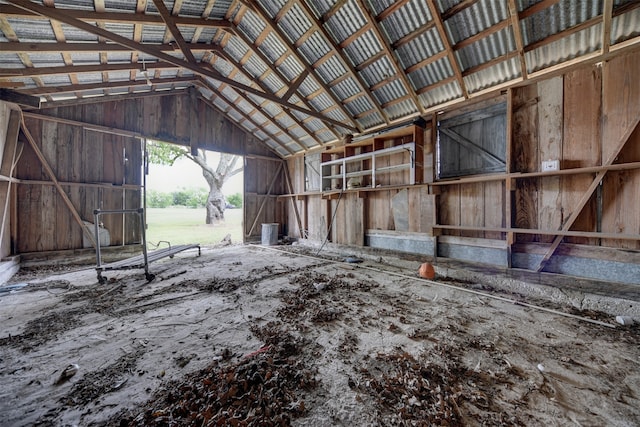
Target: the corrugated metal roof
(558, 17)
(329, 93)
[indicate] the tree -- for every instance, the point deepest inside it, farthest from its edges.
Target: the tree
(166, 154)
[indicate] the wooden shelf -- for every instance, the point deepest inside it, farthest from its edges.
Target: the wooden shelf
(359, 159)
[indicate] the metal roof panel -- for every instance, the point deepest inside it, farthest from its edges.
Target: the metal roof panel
(486, 49)
(470, 21)
(494, 75)
(576, 44)
(420, 48)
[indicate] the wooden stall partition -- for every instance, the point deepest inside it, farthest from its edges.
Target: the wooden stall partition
(581, 145)
(621, 189)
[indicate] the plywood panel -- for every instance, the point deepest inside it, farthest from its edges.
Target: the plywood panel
(581, 146)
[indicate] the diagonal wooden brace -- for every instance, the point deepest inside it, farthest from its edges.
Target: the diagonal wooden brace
(587, 195)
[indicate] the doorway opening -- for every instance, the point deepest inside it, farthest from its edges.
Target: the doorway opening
(192, 200)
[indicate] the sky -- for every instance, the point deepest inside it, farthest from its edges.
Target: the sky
(186, 174)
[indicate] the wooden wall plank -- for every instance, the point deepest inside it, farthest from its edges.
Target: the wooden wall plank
(581, 143)
(621, 190)
(493, 204)
(550, 123)
(525, 157)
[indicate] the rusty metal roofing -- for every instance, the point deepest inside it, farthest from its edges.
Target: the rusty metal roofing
(301, 74)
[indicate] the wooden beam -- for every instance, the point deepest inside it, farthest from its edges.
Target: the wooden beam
(118, 17)
(173, 29)
(517, 35)
(482, 34)
(19, 98)
(80, 69)
(7, 167)
(108, 85)
(293, 199)
(398, 71)
(544, 4)
(351, 70)
(110, 98)
(439, 22)
(295, 85)
(260, 11)
(464, 4)
(63, 17)
(90, 47)
(607, 12)
(61, 192)
(587, 195)
(259, 82)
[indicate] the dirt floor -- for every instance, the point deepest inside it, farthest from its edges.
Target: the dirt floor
(246, 335)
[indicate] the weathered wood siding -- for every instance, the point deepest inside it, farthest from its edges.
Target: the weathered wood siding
(577, 118)
(84, 156)
(76, 156)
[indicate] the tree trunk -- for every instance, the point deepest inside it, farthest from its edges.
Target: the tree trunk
(215, 205)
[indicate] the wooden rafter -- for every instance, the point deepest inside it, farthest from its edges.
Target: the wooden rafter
(386, 47)
(464, 4)
(517, 35)
(271, 69)
(258, 9)
(439, 22)
(607, 12)
(173, 29)
(221, 52)
(391, 9)
(61, 16)
(413, 35)
(351, 71)
(588, 193)
(257, 108)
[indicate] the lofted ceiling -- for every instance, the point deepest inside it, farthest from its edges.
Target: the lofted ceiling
(302, 74)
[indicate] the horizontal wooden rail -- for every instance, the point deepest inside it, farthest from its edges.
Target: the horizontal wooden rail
(545, 232)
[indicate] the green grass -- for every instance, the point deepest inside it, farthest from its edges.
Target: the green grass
(184, 225)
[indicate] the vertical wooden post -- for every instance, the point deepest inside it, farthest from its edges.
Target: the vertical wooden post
(193, 120)
(434, 175)
(6, 169)
(509, 185)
